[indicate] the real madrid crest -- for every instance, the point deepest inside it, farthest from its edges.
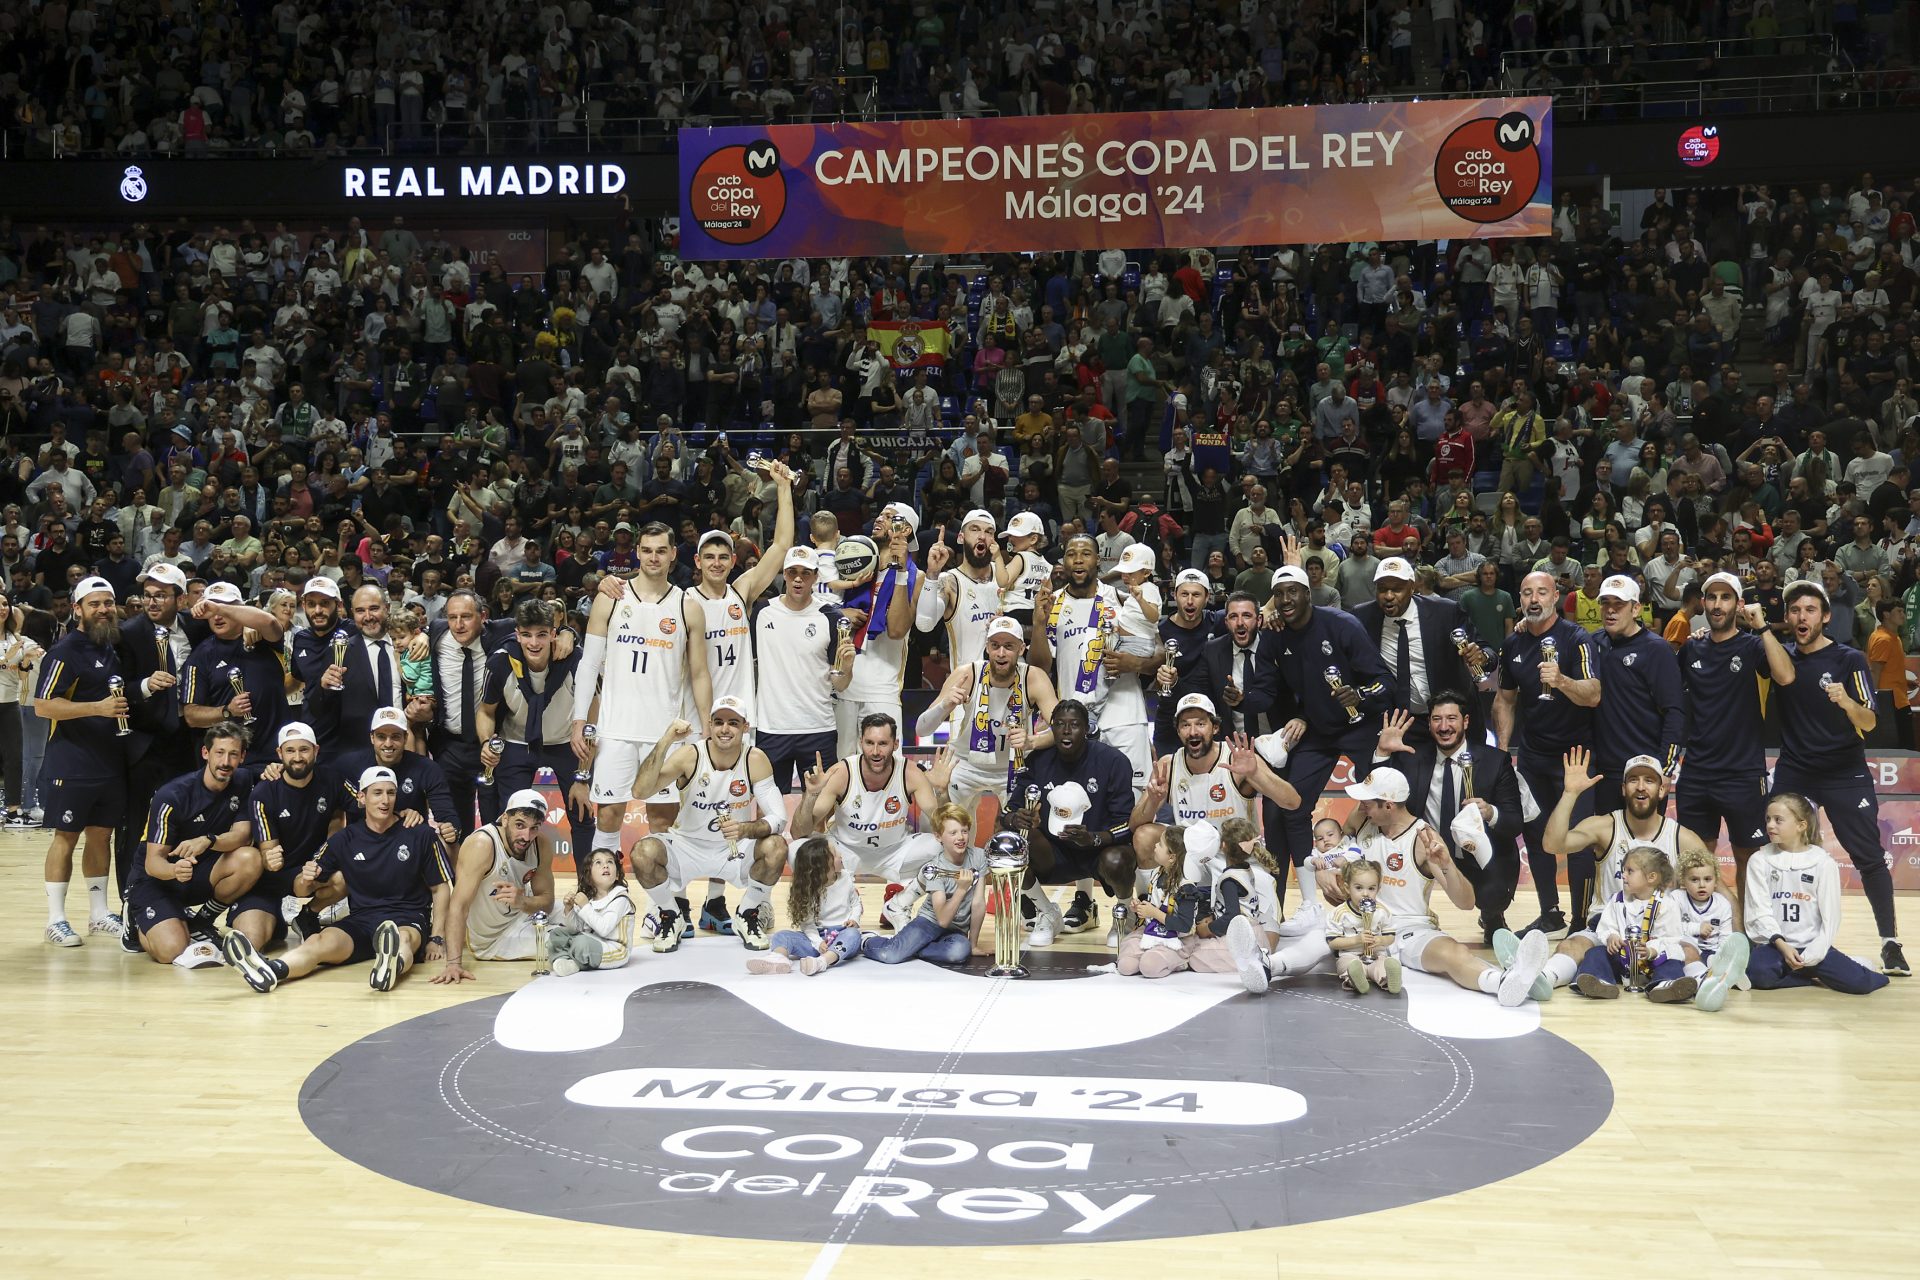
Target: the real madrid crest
(133, 185)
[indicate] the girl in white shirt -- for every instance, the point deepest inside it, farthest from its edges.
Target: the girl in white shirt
(823, 907)
(1793, 908)
(590, 932)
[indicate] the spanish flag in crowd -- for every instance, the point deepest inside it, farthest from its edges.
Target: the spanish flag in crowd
(910, 343)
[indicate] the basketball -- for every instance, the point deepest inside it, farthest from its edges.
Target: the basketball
(854, 558)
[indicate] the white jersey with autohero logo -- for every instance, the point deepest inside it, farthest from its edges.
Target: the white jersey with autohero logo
(975, 604)
(1212, 796)
(1034, 574)
(872, 823)
(716, 794)
(730, 662)
(644, 687)
(1613, 863)
(1404, 887)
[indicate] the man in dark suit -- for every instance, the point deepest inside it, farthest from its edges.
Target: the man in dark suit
(1242, 671)
(1418, 639)
(458, 645)
(152, 647)
(1449, 772)
(371, 677)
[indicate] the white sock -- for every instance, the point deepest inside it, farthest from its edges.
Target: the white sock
(1490, 980)
(756, 894)
(1309, 892)
(1695, 969)
(1084, 885)
(607, 840)
(97, 908)
(1037, 894)
(1560, 969)
(662, 895)
(56, 901)
(1885, 941)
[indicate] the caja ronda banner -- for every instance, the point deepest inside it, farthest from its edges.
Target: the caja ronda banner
(1148, 179)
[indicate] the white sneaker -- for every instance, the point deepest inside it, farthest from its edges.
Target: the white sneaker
(565, 966)
(1046, 927)
(1249, 957)
(900, 907)
(1516, 986)
(1119, 927)
(37, 816)
(61, 934)
(108, 923)
(1307, 920)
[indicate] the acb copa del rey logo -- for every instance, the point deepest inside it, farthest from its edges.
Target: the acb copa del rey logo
(1488, 169)
(738, 193)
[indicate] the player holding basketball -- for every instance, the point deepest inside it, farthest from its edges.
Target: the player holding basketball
(999, 707)
(395, 881)
(728, 827)
(865, 805)
(638, 669)
(503, 877)
(966, 596)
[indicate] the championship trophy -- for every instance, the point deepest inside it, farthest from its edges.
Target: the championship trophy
(495, 744)
(1335, 683)
(1634, 959)
(340, 649)
(542, 966)
(239, 683)
(117, 688)
(1549, 652)
(1006, 870)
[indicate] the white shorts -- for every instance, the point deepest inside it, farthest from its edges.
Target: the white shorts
(1410, 946)
(616, 764)
(898, 865)
(688, 861)
(515, 943)
(849, 712)
(969, 783)
(1135, 742)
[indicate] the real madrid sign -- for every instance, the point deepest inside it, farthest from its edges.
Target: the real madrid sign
(481, 179)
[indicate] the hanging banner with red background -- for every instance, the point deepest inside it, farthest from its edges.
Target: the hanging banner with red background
(1145, 179)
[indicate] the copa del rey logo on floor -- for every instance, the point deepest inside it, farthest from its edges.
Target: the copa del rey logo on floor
(481, 179)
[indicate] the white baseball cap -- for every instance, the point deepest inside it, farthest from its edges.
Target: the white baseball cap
(714, 535)
(387, 718)
(529, 799)
(1203, 841)
(376, 773)
(1727, 580)
(167, 575)
(1025, 524)
(222, 593)
(1136, 558)
(1290, 573)
(1620, 587)
(1193, 577)
(727, 702)
(1004, 626)
(92, 586)
(320, 584)
(800, 558)
(901, 511)
(296, 731)
(1195, 702)
(1382, 784)
(1066, 805)
(980, 516)
(1648, 763)
(1803, 587)
(1395, 567)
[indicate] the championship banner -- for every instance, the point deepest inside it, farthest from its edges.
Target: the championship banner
(909, 344)
(1450, 169)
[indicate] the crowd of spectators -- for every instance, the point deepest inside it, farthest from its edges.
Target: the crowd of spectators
(1726, 384)
(297, 76)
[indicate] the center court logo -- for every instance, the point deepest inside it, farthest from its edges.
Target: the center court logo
(738, 194)
(1488, 169)
(682, 1095)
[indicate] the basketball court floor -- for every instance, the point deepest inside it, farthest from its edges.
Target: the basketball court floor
(880, 1122)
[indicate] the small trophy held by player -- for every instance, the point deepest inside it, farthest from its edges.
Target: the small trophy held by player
(117, 688)
(1549, 653)
(542, 965)
(160, 647)
(340, 651)
(1366, 926)
(238, 683)
(495, 744)
(1173, 660)
(1006, 870)
(1336, 684)
(1461, 639)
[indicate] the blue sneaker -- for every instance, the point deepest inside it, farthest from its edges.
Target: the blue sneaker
(714, 918)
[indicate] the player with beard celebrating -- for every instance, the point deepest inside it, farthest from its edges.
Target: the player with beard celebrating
(1184, 630)
(1204, 781)
(294, 812)
(995, 704)
(503, 877)
(880, 660)
(1535, 719)
(967, 596)
(1073, 630)
(84, 772)
(1724, 777)
(315, 663)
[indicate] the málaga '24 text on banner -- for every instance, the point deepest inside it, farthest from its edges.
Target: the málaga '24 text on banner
(1147, 179)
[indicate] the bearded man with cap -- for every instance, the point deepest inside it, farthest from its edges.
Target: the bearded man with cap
(1424, 641)
(997, 709)
(729, 826)
(396, 881)
(420, 782)
(966, 596)
(1185, 630)
(502, 878)
(1826, 712)
(84, 772)
(1723, 670)
(294, 809)
(1334, 689)
(1020, 568)
(232, 677)
(1074, 802)
(314, 646)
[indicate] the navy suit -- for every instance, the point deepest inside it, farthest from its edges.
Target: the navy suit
(1494, 781)
(348, 710)
(1261, 693)
(459, 753)
(1446, 669)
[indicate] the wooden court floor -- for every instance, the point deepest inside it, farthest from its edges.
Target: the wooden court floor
(151, 1128)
